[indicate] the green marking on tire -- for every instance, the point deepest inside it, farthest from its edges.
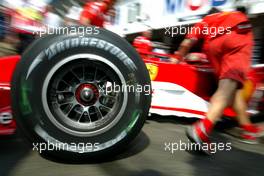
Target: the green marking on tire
(24, 103)
(134, 117)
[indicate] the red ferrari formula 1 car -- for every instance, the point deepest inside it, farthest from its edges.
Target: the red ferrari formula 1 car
(89, 96)
(185, 89)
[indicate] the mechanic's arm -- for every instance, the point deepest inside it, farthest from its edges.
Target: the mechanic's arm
(85, 21)
(186, 45)
(183, 50)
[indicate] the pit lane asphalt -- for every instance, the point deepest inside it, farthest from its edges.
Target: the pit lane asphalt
(146, 156)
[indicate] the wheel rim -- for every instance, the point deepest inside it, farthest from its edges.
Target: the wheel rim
(75, 98)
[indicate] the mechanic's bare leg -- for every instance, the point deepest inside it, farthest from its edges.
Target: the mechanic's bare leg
(223, 97)
(240, 107)
(250, 131)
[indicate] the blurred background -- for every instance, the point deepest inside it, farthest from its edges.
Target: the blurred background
(21, 19)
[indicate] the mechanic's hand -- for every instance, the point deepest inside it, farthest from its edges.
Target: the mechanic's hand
(176, 58)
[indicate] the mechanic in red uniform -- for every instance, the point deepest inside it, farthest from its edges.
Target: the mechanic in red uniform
(143, 43)
(229, 52)
(94, 11)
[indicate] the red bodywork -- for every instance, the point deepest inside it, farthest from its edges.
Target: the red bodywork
(7, 66)
(198, 77)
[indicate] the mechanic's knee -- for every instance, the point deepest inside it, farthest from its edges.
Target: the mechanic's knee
(221, 98)
(226, 91)
(228, 86)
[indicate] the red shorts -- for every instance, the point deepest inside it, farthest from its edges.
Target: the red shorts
(230, 55)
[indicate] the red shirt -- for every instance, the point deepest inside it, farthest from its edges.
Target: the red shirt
(229, 50)
(142, 44)
(217, 24)
(94, 11)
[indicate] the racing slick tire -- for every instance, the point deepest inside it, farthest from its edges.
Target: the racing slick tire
(80, 97)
